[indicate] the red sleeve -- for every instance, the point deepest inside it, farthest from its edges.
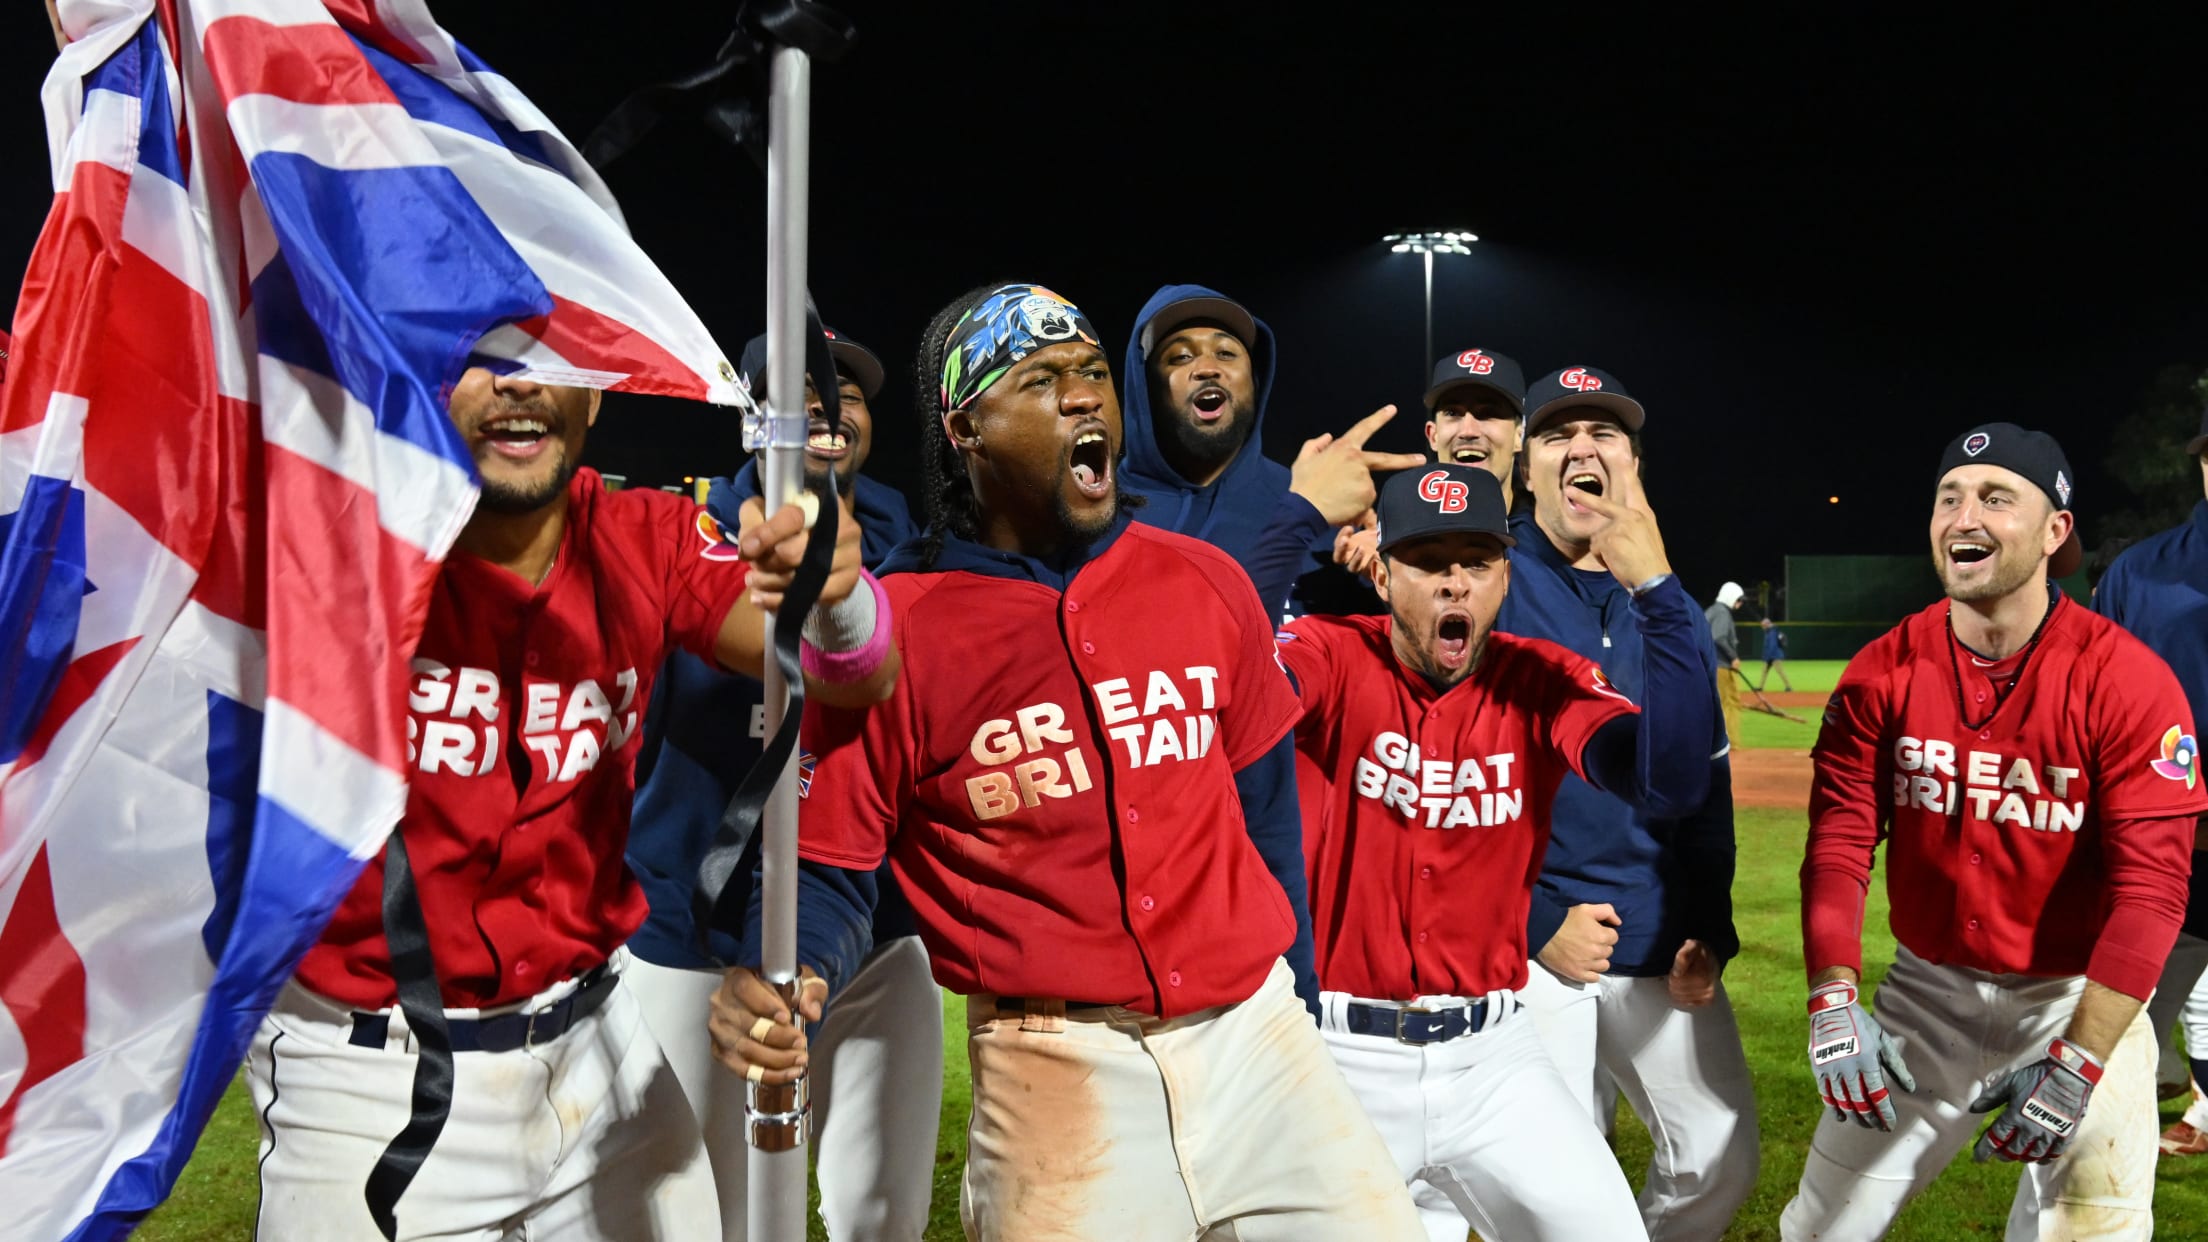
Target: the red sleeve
(849, 806)
(1307, 652)
(2148, 795)
(1584, 701)
(1844, 816)
(704, 578)
(1258, 706)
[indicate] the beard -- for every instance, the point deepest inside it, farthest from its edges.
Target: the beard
(1086, 528)
(2012, 568)
(1214, 446)
(1421, 659)
(816, 477)
(517, 498)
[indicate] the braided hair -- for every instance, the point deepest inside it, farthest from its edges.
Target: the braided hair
(949, 499)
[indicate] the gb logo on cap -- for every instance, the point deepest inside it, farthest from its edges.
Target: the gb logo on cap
(1476, 362)
(1578, 380)
(1976, 444)
(1446, 494)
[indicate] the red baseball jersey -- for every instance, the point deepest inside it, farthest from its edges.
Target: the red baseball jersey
(522, 731)
(1425, 812)
(1053, 778)
(2047, 833)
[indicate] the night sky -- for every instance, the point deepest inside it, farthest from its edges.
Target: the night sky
(1815, 245)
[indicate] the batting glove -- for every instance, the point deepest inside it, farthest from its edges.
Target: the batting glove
(1852, 1057)
(2046, 1101)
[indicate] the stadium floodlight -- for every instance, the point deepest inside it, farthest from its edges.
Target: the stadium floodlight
(1426, 246)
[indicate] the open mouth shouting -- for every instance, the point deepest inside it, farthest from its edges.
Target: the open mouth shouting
(1209, 403)
(1469, 453)
(520, 437)
(1091, 462)
(1961, 552)
(826, 441)
(1452, 640)
(1584, 481)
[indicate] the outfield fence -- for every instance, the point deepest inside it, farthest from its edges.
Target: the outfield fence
(1831, 606)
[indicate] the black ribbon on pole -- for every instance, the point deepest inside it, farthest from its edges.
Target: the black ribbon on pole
(422, 1001)
(731, 96)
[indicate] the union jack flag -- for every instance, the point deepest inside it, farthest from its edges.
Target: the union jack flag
(280, 232)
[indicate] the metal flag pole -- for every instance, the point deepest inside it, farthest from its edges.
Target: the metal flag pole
(780, 1115)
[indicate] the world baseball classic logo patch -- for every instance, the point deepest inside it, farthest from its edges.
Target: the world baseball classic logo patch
(720, 545)
(2180, 759)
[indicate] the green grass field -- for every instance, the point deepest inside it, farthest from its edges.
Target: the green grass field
(214, 1199)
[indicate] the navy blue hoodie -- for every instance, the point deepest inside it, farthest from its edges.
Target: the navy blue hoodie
(1248, 511)
(702, 731)
(1672, 880)
(831, 901)
(2158, 589)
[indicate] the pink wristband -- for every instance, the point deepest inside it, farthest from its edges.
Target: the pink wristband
(858, 664)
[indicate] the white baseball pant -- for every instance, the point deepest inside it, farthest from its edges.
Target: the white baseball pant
(1230, 1125)
(1485, 1131)
(2181, 994)
(877, 1088)
(584, 1138)
(1959, 1030)
(1685, 1075)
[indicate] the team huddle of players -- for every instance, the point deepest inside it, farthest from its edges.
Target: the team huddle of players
(1352, 924)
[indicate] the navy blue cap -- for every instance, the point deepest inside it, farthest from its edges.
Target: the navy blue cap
(1572, 387)
(1447, 499)
(1479, 368)
(852, 359)
(2036, 457)
(1226, 312)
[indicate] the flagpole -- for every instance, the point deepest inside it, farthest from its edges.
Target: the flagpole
(781, 1115)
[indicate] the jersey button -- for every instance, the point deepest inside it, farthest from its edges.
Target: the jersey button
(1071, 606)
(1425, 873)
(530, 659)
(1173, 978)
(1422, 937)
(1133, 817)
(1981, 696)
(1148, 902)
(1983, 734)
(1974, 925)
(1975, 860)
(521, 968)
(1088, 648)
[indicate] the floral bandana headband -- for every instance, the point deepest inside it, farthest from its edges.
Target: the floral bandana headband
(1010, 324)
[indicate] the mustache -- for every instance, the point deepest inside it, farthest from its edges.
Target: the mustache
(505, 407)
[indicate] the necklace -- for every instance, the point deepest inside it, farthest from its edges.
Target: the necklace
(2023, 659)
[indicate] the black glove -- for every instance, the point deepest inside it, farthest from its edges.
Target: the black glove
(2046, 1102)
(1852, 1057)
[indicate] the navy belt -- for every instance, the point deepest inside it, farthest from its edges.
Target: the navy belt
(505, 1032)
(1416, 1026)
(1072, 1006)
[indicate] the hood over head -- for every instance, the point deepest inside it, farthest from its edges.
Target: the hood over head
(1147, 469)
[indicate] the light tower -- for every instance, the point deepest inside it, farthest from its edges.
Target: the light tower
(1426, 246)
